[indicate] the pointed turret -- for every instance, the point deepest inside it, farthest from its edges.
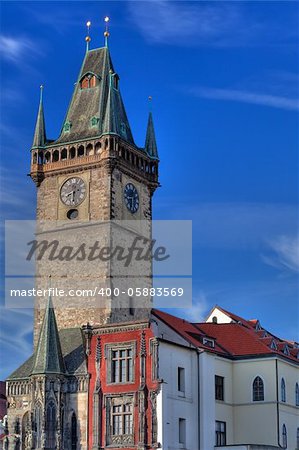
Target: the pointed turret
(39, 139)
(48, 355)
(150, 140)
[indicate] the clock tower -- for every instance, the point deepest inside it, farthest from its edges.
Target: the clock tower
(94, 173)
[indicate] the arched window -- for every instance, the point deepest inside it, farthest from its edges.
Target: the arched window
(64, 154)
(88, 81)
(214, 319)
(297, 396)
(258, 390)
(38, 425)
(74, 432)
(284, 437)
(55, 156)
(51, 426)
(81, 151)
(283, 390)
(72, 153)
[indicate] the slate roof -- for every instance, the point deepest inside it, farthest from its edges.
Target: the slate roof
(150, 140)
(73, 352)
(48, 355)
(39, 138)
(92, 102)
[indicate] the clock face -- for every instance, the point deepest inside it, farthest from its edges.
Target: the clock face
(73, 191)
(131, 197)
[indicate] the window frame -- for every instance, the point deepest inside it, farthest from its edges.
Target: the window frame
(297, 395)
(258, 396)
(182, 431)
(219, 388)
(118, 347)
(181, 380)
(119, 401)
(221, 434)
(283, 391)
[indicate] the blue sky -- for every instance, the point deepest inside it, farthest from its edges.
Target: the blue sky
(224, 82)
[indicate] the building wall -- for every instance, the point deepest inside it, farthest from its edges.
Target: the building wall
(175, 404)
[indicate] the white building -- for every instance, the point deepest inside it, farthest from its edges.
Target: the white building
(226, 383)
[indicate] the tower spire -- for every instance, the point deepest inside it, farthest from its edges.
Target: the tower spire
(39, 138)
(48, 355)
(150, 140)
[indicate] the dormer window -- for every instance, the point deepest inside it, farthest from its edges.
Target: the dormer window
(273, 345)
(286, 350)
(208, 342)
(94, 121)
(88, 81)
(258, 326)
(67, 127)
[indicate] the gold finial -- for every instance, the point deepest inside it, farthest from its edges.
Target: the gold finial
(106, 33)
(88, 38)
(150, 98)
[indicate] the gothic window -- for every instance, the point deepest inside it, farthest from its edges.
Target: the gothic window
(55, 155)
(297, 395)
(81, 151)
(88, 81)
(123, 130)
(51, 426)
(74, 432)
(64, 154)
(284, 437)
(72, 153)
(283, 390)
(258, 390)
(38, 425)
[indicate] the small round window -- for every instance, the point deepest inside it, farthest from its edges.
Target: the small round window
(72, 214)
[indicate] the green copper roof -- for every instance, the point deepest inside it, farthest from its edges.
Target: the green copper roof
(150, 140)
(73, 351)
(39, 138)
(102, 102)
(48, 355)
(115, 119)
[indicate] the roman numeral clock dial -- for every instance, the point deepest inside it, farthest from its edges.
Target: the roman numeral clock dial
(73, 192)
(131, 198)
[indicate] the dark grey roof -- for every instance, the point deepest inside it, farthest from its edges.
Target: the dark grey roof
(48, 355)
(150, 140)
(39, 139)
(72, 346)
(92, 103)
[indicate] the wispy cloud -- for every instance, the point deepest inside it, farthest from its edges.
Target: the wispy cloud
(255, 98)
(201, 23)
(232, 225)
(284, 253)
(17, 342)
(16, 49)
(199, 309)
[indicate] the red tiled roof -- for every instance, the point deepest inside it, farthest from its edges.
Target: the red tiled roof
(236, 339)
(189, 331)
